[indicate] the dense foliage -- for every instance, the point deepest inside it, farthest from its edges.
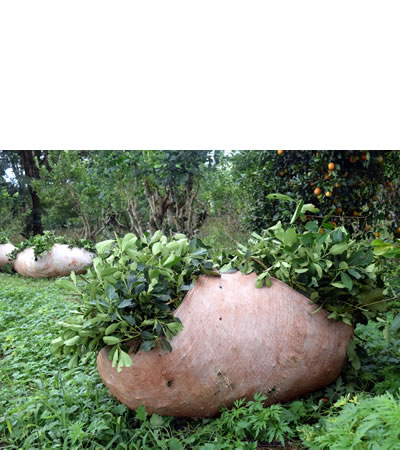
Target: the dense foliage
(360, 186)
(134, 191)
(92, 194)
(12, 212)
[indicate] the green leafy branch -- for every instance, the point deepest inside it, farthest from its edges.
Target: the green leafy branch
(44, 243)
(128, 297)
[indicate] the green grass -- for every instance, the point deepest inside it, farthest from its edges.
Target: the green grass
(45, 405)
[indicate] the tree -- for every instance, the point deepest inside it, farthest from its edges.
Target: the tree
(31, 161)
(355, 185)
(125, 190)
(25, 165)
(72, 193)
(171, 184)
(158, 189)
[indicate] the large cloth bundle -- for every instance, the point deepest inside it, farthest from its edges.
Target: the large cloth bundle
(5, 249)
(59, 262)
(237, 340)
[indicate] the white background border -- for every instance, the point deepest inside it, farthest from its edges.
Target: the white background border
(169, 74)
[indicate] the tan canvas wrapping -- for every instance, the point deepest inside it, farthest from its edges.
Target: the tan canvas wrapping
(5, 249)
(59, 262)
(237, 340)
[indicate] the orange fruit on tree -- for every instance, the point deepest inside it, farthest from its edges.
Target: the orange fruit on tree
(339, 210)
(337, 185)
(364, 157)
(317, 191)
(280, 152)
(377, 234)
(388, 184)
(352, 159)
(326, 177)
(331, 166)
(367, 227)
(321, 231)
(328, 194)
(281, 173)
(398, 229)
(356, 213)
(380, 159)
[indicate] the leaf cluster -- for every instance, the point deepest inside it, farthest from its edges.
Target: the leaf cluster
(323, 263)
(128, 297)
(43, 243)
(386, 249)
(389, 256)
(3, 238)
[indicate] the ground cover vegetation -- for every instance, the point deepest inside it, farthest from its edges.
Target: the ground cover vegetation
(332, 233)
(47, 404)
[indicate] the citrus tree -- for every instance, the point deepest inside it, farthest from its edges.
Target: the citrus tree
(357, 187)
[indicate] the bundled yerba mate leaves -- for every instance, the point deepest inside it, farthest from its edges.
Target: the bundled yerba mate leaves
(128, 297)
(326, 265)
(3, 238)
(43, 243)
(321, 262)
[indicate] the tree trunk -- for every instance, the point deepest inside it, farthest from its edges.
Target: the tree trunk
(36, 215)
(34, 226)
